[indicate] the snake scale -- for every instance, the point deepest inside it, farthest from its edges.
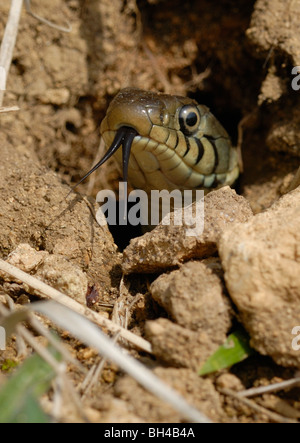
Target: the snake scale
(168, 142)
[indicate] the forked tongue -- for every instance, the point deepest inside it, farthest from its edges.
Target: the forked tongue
(124, 137)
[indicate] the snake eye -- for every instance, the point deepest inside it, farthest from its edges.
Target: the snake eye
(189, 119)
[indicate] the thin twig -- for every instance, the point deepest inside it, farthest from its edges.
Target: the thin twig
(274, 387)
(90, 382)
(198, 79)
(20, 343)
(26, 335)
(118, 314)
(251, 404)
(88, 378)
(9, 109)
(43, 331)
(62, 384)
(44, 20)
(8, 43)
(43, 352)
(53, 294)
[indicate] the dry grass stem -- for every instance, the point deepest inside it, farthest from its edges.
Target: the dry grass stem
(8, 43)
(44, 20)
(51, 293)
(93, 377)
(274, 387)
(8, 109)
(24, 335)
(260, 409)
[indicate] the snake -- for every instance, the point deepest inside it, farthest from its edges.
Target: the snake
(168, 142)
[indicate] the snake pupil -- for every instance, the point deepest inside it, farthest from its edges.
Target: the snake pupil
(191, 119)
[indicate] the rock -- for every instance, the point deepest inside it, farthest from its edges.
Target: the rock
(274, 30)
(193, 297)
(229, 381)
(68, 278)
(272, 88)
(178, 346)
(114, 410)
(283, 135)
(26, 258)
(52, 269)
(197, 391)
(266, 28)
(167, 246)
(56, 97)
(261, 259)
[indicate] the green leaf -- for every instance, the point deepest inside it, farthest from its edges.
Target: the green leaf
(235, 349)
(29, 411)
(8, 365)
(19, 395)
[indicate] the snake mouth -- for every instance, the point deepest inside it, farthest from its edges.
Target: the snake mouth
(124, 137)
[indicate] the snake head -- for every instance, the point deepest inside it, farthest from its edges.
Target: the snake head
(168, 142)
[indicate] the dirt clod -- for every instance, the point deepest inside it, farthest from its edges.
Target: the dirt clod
(52, 269)
(194, 300)
(35, 211)
(180, 347)
(196, 390)
(261, 259)
(167, 246)
(193, 297)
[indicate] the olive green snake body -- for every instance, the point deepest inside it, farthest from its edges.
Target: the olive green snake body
(169, 142)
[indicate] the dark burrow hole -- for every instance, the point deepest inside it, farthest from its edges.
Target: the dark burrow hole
(71, 128)
(122, 234)
(20, 68)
